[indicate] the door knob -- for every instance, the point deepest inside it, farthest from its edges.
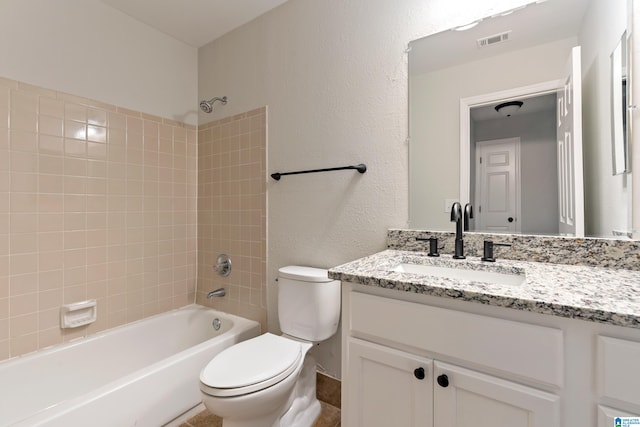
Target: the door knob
(510, 219)
(419, 373)
(443, 380)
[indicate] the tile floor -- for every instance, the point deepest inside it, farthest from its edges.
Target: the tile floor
(327, 390)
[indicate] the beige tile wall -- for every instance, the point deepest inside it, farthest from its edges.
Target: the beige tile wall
(96, 201)
(232, 212)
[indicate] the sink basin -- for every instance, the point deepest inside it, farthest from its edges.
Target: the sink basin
(493, 277)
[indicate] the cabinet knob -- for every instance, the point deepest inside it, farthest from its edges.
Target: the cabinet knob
(443, 380)
(419, 373)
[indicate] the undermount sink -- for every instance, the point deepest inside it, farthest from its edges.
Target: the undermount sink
(493, 277)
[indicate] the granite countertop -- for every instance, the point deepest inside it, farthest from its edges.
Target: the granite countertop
(602, 295)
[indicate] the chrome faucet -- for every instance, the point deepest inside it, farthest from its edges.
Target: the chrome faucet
(217, 293)
(456, 216)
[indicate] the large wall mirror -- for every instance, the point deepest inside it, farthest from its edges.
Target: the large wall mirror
(522, 115)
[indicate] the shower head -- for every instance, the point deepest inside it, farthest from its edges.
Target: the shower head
(207, 106)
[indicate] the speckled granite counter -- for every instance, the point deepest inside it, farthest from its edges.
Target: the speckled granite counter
(590, 252)
(603, 295)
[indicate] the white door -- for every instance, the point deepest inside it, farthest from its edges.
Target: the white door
(498, 186)
(469, 398)
(384, 387)
(569, 133)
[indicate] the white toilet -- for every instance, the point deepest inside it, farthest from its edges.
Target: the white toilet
(270, 380)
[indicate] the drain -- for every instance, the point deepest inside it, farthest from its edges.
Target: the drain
(216, 324)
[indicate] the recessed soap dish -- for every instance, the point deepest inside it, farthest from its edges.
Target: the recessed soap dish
(78, 314)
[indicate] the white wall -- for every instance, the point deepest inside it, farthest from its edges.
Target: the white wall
(86, 48)
(334, 75)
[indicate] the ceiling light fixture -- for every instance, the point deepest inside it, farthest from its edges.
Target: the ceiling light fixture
(467, 26)
(508, 108)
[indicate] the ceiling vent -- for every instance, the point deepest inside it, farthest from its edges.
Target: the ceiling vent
(495, 39)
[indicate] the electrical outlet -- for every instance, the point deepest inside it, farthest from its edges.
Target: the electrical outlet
(448, 203)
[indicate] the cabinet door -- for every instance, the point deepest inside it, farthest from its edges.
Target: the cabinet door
(618, 373)
(467, 398)
(607, 416)
(384, 388)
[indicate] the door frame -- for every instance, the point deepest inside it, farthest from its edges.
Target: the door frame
(488, 98)
(518, 181)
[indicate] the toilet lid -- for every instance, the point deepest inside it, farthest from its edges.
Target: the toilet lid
(304, 274)
(251, 365)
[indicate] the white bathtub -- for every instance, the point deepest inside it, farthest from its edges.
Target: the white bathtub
(141, 374)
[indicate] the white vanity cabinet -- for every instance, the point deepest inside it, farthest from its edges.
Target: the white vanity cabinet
(399, 370)
(502, 366)
(388, 387)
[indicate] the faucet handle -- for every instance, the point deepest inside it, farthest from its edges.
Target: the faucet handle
(433, 247)
(468, 214)
(223, 265)
(488, 250)
(456, 212)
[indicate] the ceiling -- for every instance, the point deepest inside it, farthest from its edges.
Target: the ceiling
(194, 22)
(561, 20)
(533, 104)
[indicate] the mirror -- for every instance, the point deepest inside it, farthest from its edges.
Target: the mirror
(619, 106)
(458, 78)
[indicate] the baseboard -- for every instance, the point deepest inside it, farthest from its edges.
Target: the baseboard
(328, 389)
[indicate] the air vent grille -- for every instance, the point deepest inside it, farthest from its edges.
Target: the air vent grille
(495, 39)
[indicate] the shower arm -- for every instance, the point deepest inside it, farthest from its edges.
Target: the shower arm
(207, 106)
(223, 100)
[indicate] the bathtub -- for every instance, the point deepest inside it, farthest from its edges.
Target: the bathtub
(142, 374)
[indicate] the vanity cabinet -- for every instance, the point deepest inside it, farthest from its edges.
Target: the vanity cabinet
(390, 387)
(483, 365)
(398, 371)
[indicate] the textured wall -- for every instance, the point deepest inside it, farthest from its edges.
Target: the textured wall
(96, 202)
(334, 75)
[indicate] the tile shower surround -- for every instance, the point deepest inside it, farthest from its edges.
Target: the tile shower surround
(232, 212)
(96, 201)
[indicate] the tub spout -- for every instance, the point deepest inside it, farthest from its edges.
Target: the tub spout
(217, 293)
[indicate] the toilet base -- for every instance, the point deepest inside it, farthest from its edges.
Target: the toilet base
(304, 407)
(301, 409)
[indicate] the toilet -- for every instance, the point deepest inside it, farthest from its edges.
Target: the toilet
(270, 380)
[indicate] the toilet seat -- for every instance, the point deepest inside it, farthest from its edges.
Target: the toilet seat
(251, 366)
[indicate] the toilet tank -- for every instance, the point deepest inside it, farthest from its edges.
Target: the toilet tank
(308, 303)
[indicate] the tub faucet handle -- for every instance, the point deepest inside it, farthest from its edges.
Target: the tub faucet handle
(223, 265)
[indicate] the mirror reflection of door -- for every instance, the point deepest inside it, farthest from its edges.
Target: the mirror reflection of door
(570, 167)
(497, 186)
(534, 124)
